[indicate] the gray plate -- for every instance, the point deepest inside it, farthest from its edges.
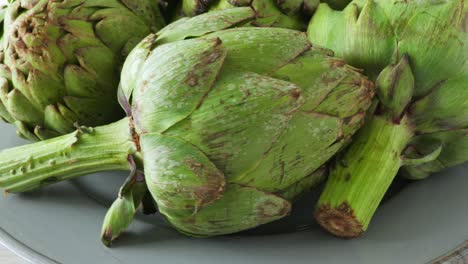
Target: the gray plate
(61, 224)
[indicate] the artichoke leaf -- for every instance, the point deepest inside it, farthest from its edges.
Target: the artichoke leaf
(289, 159)
(239, 208)
(261, 51)
(240, 119)
(170, 88)
(203, 24)
(180, 177)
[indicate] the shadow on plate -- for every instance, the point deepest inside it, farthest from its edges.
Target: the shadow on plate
(103, 190)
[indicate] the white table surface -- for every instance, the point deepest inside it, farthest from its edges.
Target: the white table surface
(8, 257)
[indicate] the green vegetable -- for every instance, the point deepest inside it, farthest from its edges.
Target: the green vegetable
(292, 14)
(61, 61)
(417, 51)
(228, 124)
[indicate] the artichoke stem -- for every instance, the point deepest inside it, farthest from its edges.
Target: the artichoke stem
(87, 150)
(359, 179)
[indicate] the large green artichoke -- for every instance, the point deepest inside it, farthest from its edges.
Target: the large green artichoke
(228, 124)
(418, 53)
(62, 61)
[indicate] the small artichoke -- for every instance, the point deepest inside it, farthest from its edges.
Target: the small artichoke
(417, 51)
(61, 61)
(228, 124)
(292, 14)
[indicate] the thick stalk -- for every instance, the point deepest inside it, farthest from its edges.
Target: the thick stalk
(87, 150)
(359, 179)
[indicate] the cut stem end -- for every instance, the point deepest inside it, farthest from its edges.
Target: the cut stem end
(340, 221)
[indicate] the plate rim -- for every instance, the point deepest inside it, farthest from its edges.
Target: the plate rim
(21, 250)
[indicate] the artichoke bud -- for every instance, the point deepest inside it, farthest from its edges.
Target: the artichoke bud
(121, 213)
(69, 53)
(270, 13)
(395, 88)
(192, 101)
(118, 218)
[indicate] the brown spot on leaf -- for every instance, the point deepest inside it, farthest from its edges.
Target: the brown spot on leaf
(206, 58)
(209, 192)
(295, 93)
(135, 135)
(464, 22)
(348, 177)
(107, 237)
(357, 82)
(269, 209)
(282, 171)
(247, 93)
(212, 136)
(143, 85)
(348, 120)
(196, 167)
(369, 85)
(192, 79)
(336, 63)
(217, 145)
(19, 44)
(329, 78)
(210, 57)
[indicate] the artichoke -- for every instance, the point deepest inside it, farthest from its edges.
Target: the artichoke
(61, 61)
(292, 14)
(228, 124)
(417, 51)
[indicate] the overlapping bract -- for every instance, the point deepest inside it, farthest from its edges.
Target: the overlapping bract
(61, 61)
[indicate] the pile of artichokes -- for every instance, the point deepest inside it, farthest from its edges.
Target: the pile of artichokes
(226, 111)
